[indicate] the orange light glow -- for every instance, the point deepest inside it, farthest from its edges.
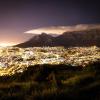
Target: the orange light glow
(4, 44)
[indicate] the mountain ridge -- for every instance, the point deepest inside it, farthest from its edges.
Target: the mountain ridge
(87, 37)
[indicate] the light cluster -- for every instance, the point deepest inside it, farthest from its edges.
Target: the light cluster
(14, 60)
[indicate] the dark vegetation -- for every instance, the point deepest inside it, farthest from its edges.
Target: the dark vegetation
(53, 82)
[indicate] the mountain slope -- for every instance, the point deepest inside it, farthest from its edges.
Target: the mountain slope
(68, 39)
(38, 40)
(52, 82)
(79, 38)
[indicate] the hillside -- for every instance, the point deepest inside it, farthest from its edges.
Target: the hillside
(87, 37)
(46, 82)
(38, 41)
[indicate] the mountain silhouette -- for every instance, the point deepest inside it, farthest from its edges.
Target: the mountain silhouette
(67, 39)
(38, 41)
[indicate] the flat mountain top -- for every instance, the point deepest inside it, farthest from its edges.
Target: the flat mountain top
(89, 37)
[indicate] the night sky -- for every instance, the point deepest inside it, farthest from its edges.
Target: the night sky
(18, 16)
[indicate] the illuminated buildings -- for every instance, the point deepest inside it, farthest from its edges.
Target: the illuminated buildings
(15, 60)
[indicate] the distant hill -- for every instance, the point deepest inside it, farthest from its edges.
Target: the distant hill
(38, 41)
(79, 38)
(87, 37)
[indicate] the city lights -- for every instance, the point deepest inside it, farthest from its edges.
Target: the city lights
(14, 60)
